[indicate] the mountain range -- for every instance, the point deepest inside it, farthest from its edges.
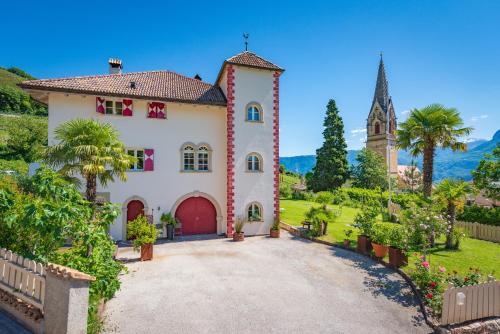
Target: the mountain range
(447, 164)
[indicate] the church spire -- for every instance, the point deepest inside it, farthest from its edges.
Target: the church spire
(381, 89)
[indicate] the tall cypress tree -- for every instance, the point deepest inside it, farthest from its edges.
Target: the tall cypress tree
(331, 169)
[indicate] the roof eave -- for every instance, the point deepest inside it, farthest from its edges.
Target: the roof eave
(140, 97)
(279, 69)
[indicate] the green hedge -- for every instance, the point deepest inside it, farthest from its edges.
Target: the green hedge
(478, 214)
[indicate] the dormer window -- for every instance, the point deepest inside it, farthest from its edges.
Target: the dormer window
(254, 113)
(114, 107)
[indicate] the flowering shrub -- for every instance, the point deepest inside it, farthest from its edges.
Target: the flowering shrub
(431, 284)
(423, 224)
(472, 277)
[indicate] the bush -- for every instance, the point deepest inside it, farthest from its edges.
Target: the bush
(285, 191)
(365, 220)
(482, 215)
(142, 232)
(19, 167)
(318, 215)
(324, 197)
(380, 233)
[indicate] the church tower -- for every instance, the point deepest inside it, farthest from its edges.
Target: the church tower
(381, 123)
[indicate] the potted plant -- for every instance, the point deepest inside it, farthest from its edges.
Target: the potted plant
(347, 241)
(275, 228)
(145, 236)
(380, 239)
(398, 246)
(169, 222)
(238, 234)
(364, 223)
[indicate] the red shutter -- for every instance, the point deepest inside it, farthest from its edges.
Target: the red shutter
(160, 110)
(151, 110)
(149, 164)
(99, 105)
(127, 107)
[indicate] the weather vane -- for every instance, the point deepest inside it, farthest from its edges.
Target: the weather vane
(245, 36)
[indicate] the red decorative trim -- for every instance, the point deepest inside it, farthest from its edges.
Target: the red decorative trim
(276, 143)
(127, 111)
(230, 150)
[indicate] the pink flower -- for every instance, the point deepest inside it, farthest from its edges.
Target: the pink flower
(425, 264)
(433, 284)
(429, 295)
(442, 269)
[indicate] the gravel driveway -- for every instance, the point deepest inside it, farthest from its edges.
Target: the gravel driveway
(261, 285)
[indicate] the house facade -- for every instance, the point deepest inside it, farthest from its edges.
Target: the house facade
(207, 153)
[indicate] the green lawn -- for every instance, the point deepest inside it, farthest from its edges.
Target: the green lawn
(473, 253)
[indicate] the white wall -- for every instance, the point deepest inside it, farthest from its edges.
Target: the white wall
(254, 85)
(166, 184)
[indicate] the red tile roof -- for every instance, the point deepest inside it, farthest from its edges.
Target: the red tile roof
(250, 59)
(158, 85)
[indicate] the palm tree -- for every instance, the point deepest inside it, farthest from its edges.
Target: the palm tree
(430, 127)
(453, 193)
(90, 149)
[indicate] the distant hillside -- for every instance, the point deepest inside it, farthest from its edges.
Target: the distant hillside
(447, 163)
(14, 100)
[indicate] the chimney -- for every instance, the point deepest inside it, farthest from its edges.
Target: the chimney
(197, 77)
(115, 66)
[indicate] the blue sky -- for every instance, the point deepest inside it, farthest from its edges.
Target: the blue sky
(434, 51)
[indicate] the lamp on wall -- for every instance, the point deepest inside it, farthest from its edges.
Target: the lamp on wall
(460, 298)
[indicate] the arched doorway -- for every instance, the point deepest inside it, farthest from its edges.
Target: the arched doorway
(197, 215)
(135, 208)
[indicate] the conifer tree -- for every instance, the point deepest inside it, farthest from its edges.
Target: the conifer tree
(332, 168)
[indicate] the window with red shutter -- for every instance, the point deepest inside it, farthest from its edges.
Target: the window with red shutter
(99, 105)
(156, 110)
(149, 159)
(127, 107)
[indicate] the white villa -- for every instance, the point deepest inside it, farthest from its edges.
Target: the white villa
(207, 153)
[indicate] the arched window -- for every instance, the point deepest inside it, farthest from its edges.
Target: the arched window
(196, 158)
(254, 162)
(203, 158)
(188, 157)
(254, 113)
(254, 212)
(377, 128)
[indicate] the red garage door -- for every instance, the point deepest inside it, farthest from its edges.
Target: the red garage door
(197, 216)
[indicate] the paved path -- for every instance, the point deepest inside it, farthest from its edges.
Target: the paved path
(9, 326)
(261, 285)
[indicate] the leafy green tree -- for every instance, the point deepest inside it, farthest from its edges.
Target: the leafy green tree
(332, 169)
(453, 193)
(371, 170)
(487, 174)
(24, 137)
(90, 149)
(430, 127)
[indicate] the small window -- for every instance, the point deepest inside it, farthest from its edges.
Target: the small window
(139, 164)
(377, 128)
(203, 158)
(254, 113)
(254, 163)
(254, 212)
(188, 157)
(114, 107)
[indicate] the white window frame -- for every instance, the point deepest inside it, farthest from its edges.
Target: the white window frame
(188, 153)
(256, 107)
(135, 167)
(201, 164)
(251, 210)
(251, 165)
(113, 108)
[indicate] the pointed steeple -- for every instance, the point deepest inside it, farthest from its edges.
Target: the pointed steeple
(382, 88)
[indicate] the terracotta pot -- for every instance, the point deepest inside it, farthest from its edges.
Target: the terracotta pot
(380, 250)
(146, 252)
(397, 258)
(364, 245)
(238, 236)
(347, 243)
(274, 233)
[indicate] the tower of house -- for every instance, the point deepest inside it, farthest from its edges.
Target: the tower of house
(381, 123)
(251, 86)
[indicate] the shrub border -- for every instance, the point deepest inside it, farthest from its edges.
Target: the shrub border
(296, 232)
